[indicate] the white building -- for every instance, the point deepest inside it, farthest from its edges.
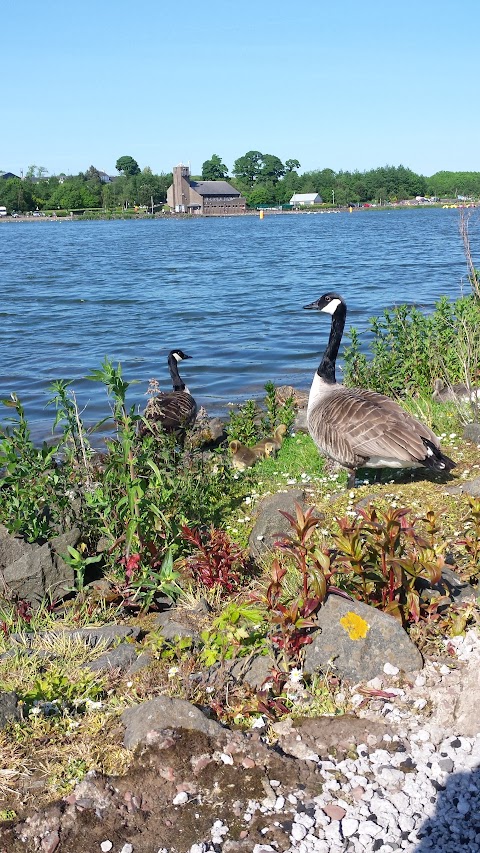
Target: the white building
(305, 199)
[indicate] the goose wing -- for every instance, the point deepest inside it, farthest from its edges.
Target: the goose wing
(172, 410)
(353, 425)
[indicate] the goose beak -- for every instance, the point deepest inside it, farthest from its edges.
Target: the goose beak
(186, 356)
(313, 305)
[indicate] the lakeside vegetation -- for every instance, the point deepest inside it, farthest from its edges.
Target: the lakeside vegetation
(262, 178)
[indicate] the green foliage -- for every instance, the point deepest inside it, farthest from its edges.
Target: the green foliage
(471, 540)
(55, 688)
(79, 563)
(382, 557)
(249, 423)
(236, 632)
(244, 423)
(216, 560)
(127, 165)
(152, 579)
(411, 349)
(34, 498)
(214, 169)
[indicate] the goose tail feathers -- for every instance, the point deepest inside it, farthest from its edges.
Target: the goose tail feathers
(435, 459)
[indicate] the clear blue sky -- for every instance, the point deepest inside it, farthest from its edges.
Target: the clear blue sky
(342, 84)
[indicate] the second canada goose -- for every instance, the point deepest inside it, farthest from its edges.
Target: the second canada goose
(172, 411)
(359, 428)
(443, 393)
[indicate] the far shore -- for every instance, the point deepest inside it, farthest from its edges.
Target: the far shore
(266, 211)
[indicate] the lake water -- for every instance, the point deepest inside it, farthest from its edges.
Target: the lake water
(229, 291)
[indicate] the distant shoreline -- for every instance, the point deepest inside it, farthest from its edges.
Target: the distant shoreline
(266, 211)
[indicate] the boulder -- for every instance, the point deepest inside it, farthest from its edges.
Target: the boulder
(357, 640)
(31, 571)
(9, 709)
(271, 524)
(145, 723)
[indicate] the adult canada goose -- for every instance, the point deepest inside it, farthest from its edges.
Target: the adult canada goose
(453, 393)
(172, 411)
(244, 457)
(359, 428)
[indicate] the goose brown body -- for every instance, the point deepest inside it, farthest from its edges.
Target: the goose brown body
(360, 428)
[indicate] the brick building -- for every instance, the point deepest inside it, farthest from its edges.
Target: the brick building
(203, 197)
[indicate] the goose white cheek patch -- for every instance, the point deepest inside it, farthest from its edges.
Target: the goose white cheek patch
(331, 307)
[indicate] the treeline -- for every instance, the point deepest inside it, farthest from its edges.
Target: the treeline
(261, 178)
(85, 190)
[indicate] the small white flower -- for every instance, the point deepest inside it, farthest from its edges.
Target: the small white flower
(172, 671)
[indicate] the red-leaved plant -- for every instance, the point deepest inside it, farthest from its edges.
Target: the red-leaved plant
(216, 560)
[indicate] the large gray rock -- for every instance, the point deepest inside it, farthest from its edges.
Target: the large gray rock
(32, 571)
(355, 657)
(121, 658)
(467, 487)
(271, 524)
(472, 432)
(9, 709)
(144, 723)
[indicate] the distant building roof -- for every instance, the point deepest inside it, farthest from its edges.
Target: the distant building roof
(7, 175)
(305, 198)
(214, 188)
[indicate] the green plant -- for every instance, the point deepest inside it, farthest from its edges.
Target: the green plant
(216, 560)
(54, 688)
(411, 349)
(34, 498)
(236, 632)
(79, 563)
(76, 444)
(245, 424)
(471, 540)
(289, 615)
(276, 413)
(382, 557)
(152, 580)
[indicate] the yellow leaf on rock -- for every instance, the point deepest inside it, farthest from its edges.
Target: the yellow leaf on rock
(355, 626)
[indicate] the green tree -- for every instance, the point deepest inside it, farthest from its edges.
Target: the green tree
(16, 195)
(272, 169)
(248, 168)
(292, 165)
(214, 169)
(127, 165)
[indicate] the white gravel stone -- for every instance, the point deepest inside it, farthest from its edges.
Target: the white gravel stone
(298, 832)
(105, 846)
(180, 799)
(349, 826)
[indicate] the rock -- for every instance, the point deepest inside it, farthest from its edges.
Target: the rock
(359, 646)
(270, 524)
(33, 571)
(469, 487)
(144, 723)
(253, 671)
(327, 735)
(472, 432)
(9, 709)
(171, 627)
(450, 583)
(121, 657)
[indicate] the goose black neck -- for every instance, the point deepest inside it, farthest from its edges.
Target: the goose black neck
(177, 383)
(326, 369)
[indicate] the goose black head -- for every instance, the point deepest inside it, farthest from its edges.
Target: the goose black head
(178, 354)
(329, 303)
